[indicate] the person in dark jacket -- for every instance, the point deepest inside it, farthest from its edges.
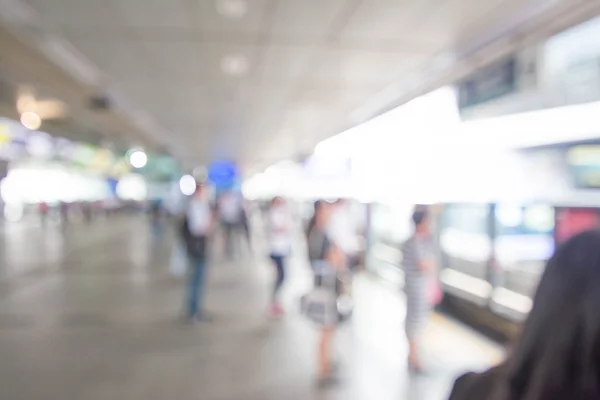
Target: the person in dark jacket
(557, 356)
(198, 223)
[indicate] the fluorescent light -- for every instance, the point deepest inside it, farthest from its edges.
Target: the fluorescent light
(187, 184)
(31, 120)
(132, 187)
(138, 159)
(234, 9)
(235, 64)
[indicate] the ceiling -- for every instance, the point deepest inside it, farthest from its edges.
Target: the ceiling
(267, 79)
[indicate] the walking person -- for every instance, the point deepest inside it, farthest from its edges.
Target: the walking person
(196, 229)
(326, 259)
(419, 270)
(557, 355)
(280, 243)
(230, 214)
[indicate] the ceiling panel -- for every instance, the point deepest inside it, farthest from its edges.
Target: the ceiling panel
(154, 13)
(447, 21)
(363, 68)
(177, 62)
(305, 20)
(501, 17)
(310, 63)
(287, 62)
(199, 62)
(77, 12)
(207, 19)
(113, 57)
(384, 19)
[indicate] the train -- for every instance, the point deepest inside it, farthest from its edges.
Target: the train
(490, 255)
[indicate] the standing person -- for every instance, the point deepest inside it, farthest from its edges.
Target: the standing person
(197, 226)
(156, 218)
(342, 228)
(419, 268)
(326, 259)
(245, 224)
(280, 243)
(557, 355)
(230, 214)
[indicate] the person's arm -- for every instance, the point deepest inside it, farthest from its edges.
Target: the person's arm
(335, 256)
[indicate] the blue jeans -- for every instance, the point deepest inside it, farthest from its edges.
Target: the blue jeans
(278, 260)
(196, 286)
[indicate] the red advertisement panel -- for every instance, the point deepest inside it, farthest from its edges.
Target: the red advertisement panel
(571, 221)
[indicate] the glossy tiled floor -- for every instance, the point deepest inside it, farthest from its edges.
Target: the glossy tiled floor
(93, 313)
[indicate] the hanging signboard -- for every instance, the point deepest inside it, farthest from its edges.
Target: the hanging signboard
(223, 174)
(489, 83)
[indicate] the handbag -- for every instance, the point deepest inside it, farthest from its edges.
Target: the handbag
(324, 305)
(435, 294)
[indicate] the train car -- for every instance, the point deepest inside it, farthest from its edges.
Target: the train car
(492, 254)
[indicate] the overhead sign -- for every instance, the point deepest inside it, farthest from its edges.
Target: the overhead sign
(223, 174)
(489, 83)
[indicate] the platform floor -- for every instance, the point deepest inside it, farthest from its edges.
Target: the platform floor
(92, 313)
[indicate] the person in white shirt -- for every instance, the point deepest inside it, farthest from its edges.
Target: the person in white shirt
(343, 231)
(280, 244)
(198, 224)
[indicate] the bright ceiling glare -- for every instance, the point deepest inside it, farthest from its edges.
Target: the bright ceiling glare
(31, 120)
(138, 159)
(235, 65)
(234, 9)
(187, 184)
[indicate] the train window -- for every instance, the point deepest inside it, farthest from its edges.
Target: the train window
(524, 241)
(390, 226)
(465, 242)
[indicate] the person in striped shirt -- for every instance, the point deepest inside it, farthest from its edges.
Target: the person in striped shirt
(419, 263)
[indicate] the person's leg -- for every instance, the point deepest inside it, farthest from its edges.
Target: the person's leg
(278, 260)
(414, 362)
(413, 326)
(192, 289)
(246, 229)
(195, 287)
(325, 364)
(228, 240)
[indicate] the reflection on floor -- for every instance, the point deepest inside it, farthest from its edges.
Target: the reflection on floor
(92, 313)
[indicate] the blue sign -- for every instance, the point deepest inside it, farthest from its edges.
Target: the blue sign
(223, 174)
